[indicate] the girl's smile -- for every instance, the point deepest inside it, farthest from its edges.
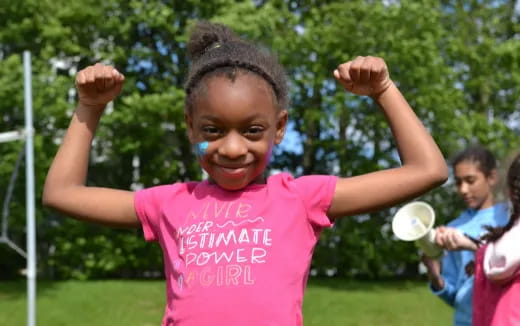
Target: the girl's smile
(234, 172)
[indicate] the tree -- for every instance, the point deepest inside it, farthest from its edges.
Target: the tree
(455, 61)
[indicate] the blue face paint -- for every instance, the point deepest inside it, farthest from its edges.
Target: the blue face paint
(200, 148)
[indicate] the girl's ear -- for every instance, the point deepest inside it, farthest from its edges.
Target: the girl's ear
(281, 125)
(492, 178)
(189, 127)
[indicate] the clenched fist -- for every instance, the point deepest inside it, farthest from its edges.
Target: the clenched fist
(364, 76)
(98, 84)
(452, 239)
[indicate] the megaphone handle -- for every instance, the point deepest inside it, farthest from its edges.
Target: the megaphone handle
(432, 235)
(429, 246)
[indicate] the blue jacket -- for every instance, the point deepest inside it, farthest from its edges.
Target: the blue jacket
(458, 288)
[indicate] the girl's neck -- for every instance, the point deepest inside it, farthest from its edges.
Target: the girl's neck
(488, 203)
(485, 205)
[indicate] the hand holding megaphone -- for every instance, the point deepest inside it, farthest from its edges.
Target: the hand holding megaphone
(452, 239)
(414, 222)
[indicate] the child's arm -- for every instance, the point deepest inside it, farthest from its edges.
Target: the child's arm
(450, 238)
(423, 164)
(65, 188)
(443, 276)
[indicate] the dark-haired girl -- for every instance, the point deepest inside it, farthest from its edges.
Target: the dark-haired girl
(496, 301)
(237, 247)
(452, 277)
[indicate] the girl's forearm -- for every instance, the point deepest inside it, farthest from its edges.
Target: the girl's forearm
(70, 164)
(410, 135)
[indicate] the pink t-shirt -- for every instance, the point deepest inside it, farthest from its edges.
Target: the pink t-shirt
(236, 257)
(494, 304)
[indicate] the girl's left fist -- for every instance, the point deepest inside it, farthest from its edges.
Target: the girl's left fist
(364, 76)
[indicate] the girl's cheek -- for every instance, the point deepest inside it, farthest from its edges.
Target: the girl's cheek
(269, 153)
(201, 148)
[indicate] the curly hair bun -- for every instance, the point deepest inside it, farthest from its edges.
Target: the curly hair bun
(206, 35)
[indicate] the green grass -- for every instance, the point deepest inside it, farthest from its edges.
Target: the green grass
(349, 303)
(141, 303)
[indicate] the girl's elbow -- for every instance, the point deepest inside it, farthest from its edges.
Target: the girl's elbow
(49, 199)
(434, 176)
(52, 196)
(440, 175)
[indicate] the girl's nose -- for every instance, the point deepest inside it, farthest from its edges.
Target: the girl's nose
(233, 146)
(463, 188)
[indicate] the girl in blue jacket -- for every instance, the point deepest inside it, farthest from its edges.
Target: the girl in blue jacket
(451, 278)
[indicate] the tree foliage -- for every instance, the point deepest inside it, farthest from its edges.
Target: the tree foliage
(455, 61)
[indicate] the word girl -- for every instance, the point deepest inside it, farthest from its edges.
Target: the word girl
(238, 246)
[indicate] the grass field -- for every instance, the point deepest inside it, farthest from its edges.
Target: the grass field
(141, 303)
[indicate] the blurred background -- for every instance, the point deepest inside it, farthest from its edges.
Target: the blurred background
(457, 63)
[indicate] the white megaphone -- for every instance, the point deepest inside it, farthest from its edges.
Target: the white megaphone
(414, 222)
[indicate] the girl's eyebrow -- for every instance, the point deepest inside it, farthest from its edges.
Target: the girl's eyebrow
(249, 118)
(466, 176)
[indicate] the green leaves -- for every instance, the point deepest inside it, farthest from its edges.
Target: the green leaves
(458, 66)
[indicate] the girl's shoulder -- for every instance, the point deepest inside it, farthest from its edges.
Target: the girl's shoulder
(502, 214)
(163, 191)
(303, 183)
(464, 218)
(495, 215)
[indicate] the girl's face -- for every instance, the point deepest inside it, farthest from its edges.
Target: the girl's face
(241, 124)
(474, 186)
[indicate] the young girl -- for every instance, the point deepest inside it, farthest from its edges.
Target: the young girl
(497, 276)
(237, 247)
(452, 278)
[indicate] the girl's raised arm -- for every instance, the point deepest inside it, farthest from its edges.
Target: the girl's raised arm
(65, 189)
(423, 165)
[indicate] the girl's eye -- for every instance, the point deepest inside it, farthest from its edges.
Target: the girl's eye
(210, 130)
(254, 131)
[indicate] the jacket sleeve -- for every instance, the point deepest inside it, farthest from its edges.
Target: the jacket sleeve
(450, 273)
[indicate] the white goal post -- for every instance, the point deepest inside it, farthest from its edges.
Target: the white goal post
(27, 135)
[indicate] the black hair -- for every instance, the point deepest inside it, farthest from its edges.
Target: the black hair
(482, 157)
(513, 185)
(215, 50)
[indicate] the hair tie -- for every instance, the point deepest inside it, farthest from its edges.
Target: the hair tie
(216, 45)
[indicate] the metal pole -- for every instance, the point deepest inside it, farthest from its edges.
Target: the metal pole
(11, 135)
(29, 193)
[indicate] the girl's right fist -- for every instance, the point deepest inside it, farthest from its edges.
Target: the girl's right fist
(98, 84)
(452, 239)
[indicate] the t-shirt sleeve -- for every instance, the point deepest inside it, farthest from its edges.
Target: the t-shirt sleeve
(148, 205)
(502, 258)
(317, 192)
